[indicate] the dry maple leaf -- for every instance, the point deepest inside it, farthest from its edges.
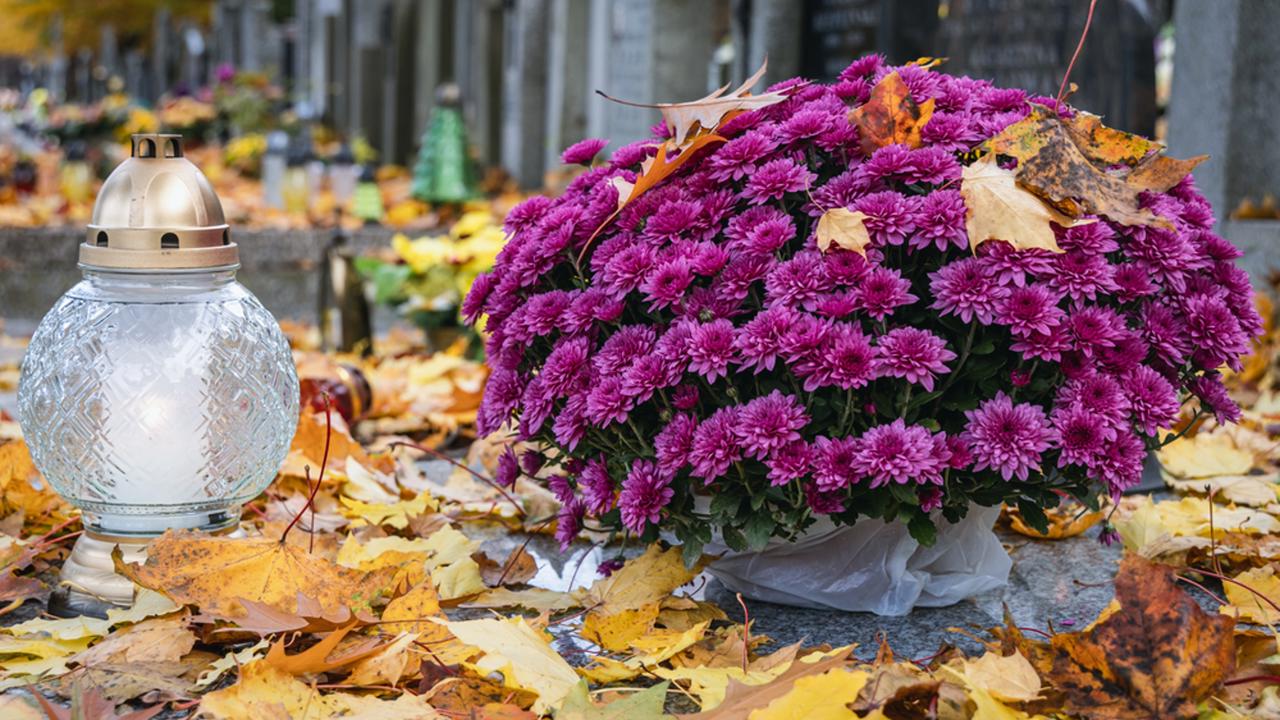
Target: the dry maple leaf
(1157, 657)
(998, 209)
(319, 657)
(741, 699)
(216, 573)
(625, 605)
(890, 116)
(844, 228)
(687, 120)
(90, 704)
(1072, 165)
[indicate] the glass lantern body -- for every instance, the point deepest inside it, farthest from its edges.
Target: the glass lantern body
(155, 400)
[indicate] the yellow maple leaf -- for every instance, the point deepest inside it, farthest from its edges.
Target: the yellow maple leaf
(458, 579)
(388, 665)
(820, 697)
(1009, 678)
(997, 208)
(522, 654)
(1247, 597)
(270, 694)
(843, 228)
(651, 649)
(1205, 454)
(215, 572)
(625, 604)
(396, 514)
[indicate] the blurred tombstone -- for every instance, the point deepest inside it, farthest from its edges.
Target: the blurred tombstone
(837, 32)
(84, 75)
(161, 50)
(1224, 102)
(1028, 44)
(646, 51)
(524, 90)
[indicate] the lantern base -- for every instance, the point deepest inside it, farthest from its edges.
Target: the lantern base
(89, 574)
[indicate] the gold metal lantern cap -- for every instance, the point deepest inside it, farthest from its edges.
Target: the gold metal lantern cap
(157, 211)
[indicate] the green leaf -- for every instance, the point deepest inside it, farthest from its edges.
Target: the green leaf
(389, 282)
(691, 551)
(725, 505)
(922, 529)
(759, 529)
(1033, 515)
(734, 538)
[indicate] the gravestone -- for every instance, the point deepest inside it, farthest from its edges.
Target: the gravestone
(837, 32)
(1028, 44)
(1224, 102)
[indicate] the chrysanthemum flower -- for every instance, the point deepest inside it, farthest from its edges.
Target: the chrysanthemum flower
(645, 492)
(1007, 437)
(900, 453)
(964, 288)
(769, 423)
(583, 151)
(913, 354)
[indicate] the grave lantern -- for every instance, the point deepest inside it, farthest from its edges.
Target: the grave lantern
(158, 392)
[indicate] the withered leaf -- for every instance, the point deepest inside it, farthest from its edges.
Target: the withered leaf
(891, 116)
(997, 208)
(216, 573)
(686, 120)
(843, 228)
(1072, 165)
(1157, 657)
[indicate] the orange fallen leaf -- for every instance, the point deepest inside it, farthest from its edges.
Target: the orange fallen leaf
(316, 659)
(890, 116)
(1157, 657)
(216, 573)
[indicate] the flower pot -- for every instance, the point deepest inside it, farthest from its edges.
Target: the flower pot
(871, 566)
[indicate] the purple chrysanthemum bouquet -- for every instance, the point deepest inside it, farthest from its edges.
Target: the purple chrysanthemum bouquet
(697, 364)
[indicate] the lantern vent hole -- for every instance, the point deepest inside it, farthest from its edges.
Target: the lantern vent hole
(172, 148)
(102, 239)
(226, 237)
(147, 148)
(168, 241)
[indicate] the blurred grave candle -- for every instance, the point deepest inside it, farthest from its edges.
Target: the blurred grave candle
(273, 168)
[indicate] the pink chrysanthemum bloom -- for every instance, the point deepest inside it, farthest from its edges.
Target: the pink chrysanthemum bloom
(1007, 437)
(964, 288)
(739, 157)
(1030, 309)
(673, 445)
(891, 216)
(667, 283)
(711, 349)
(715, 444)
(770, 423)
(645, 492)
(789, 463)
(1100, 394)
(597, 487)
(901, 453)
(913, 354)
(883, 290)
(776, 178)
(1152, 399)
(583, 151)
(940, 222)
(1081, 435)
(834, 460)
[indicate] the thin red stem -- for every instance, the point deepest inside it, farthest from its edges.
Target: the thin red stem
(324, 463)
(441, 456)
(746, 632)
(1203, 589)
(1062, 89)
(1233, 581)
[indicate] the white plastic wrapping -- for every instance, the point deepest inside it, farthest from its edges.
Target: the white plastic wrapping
(871, 566)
